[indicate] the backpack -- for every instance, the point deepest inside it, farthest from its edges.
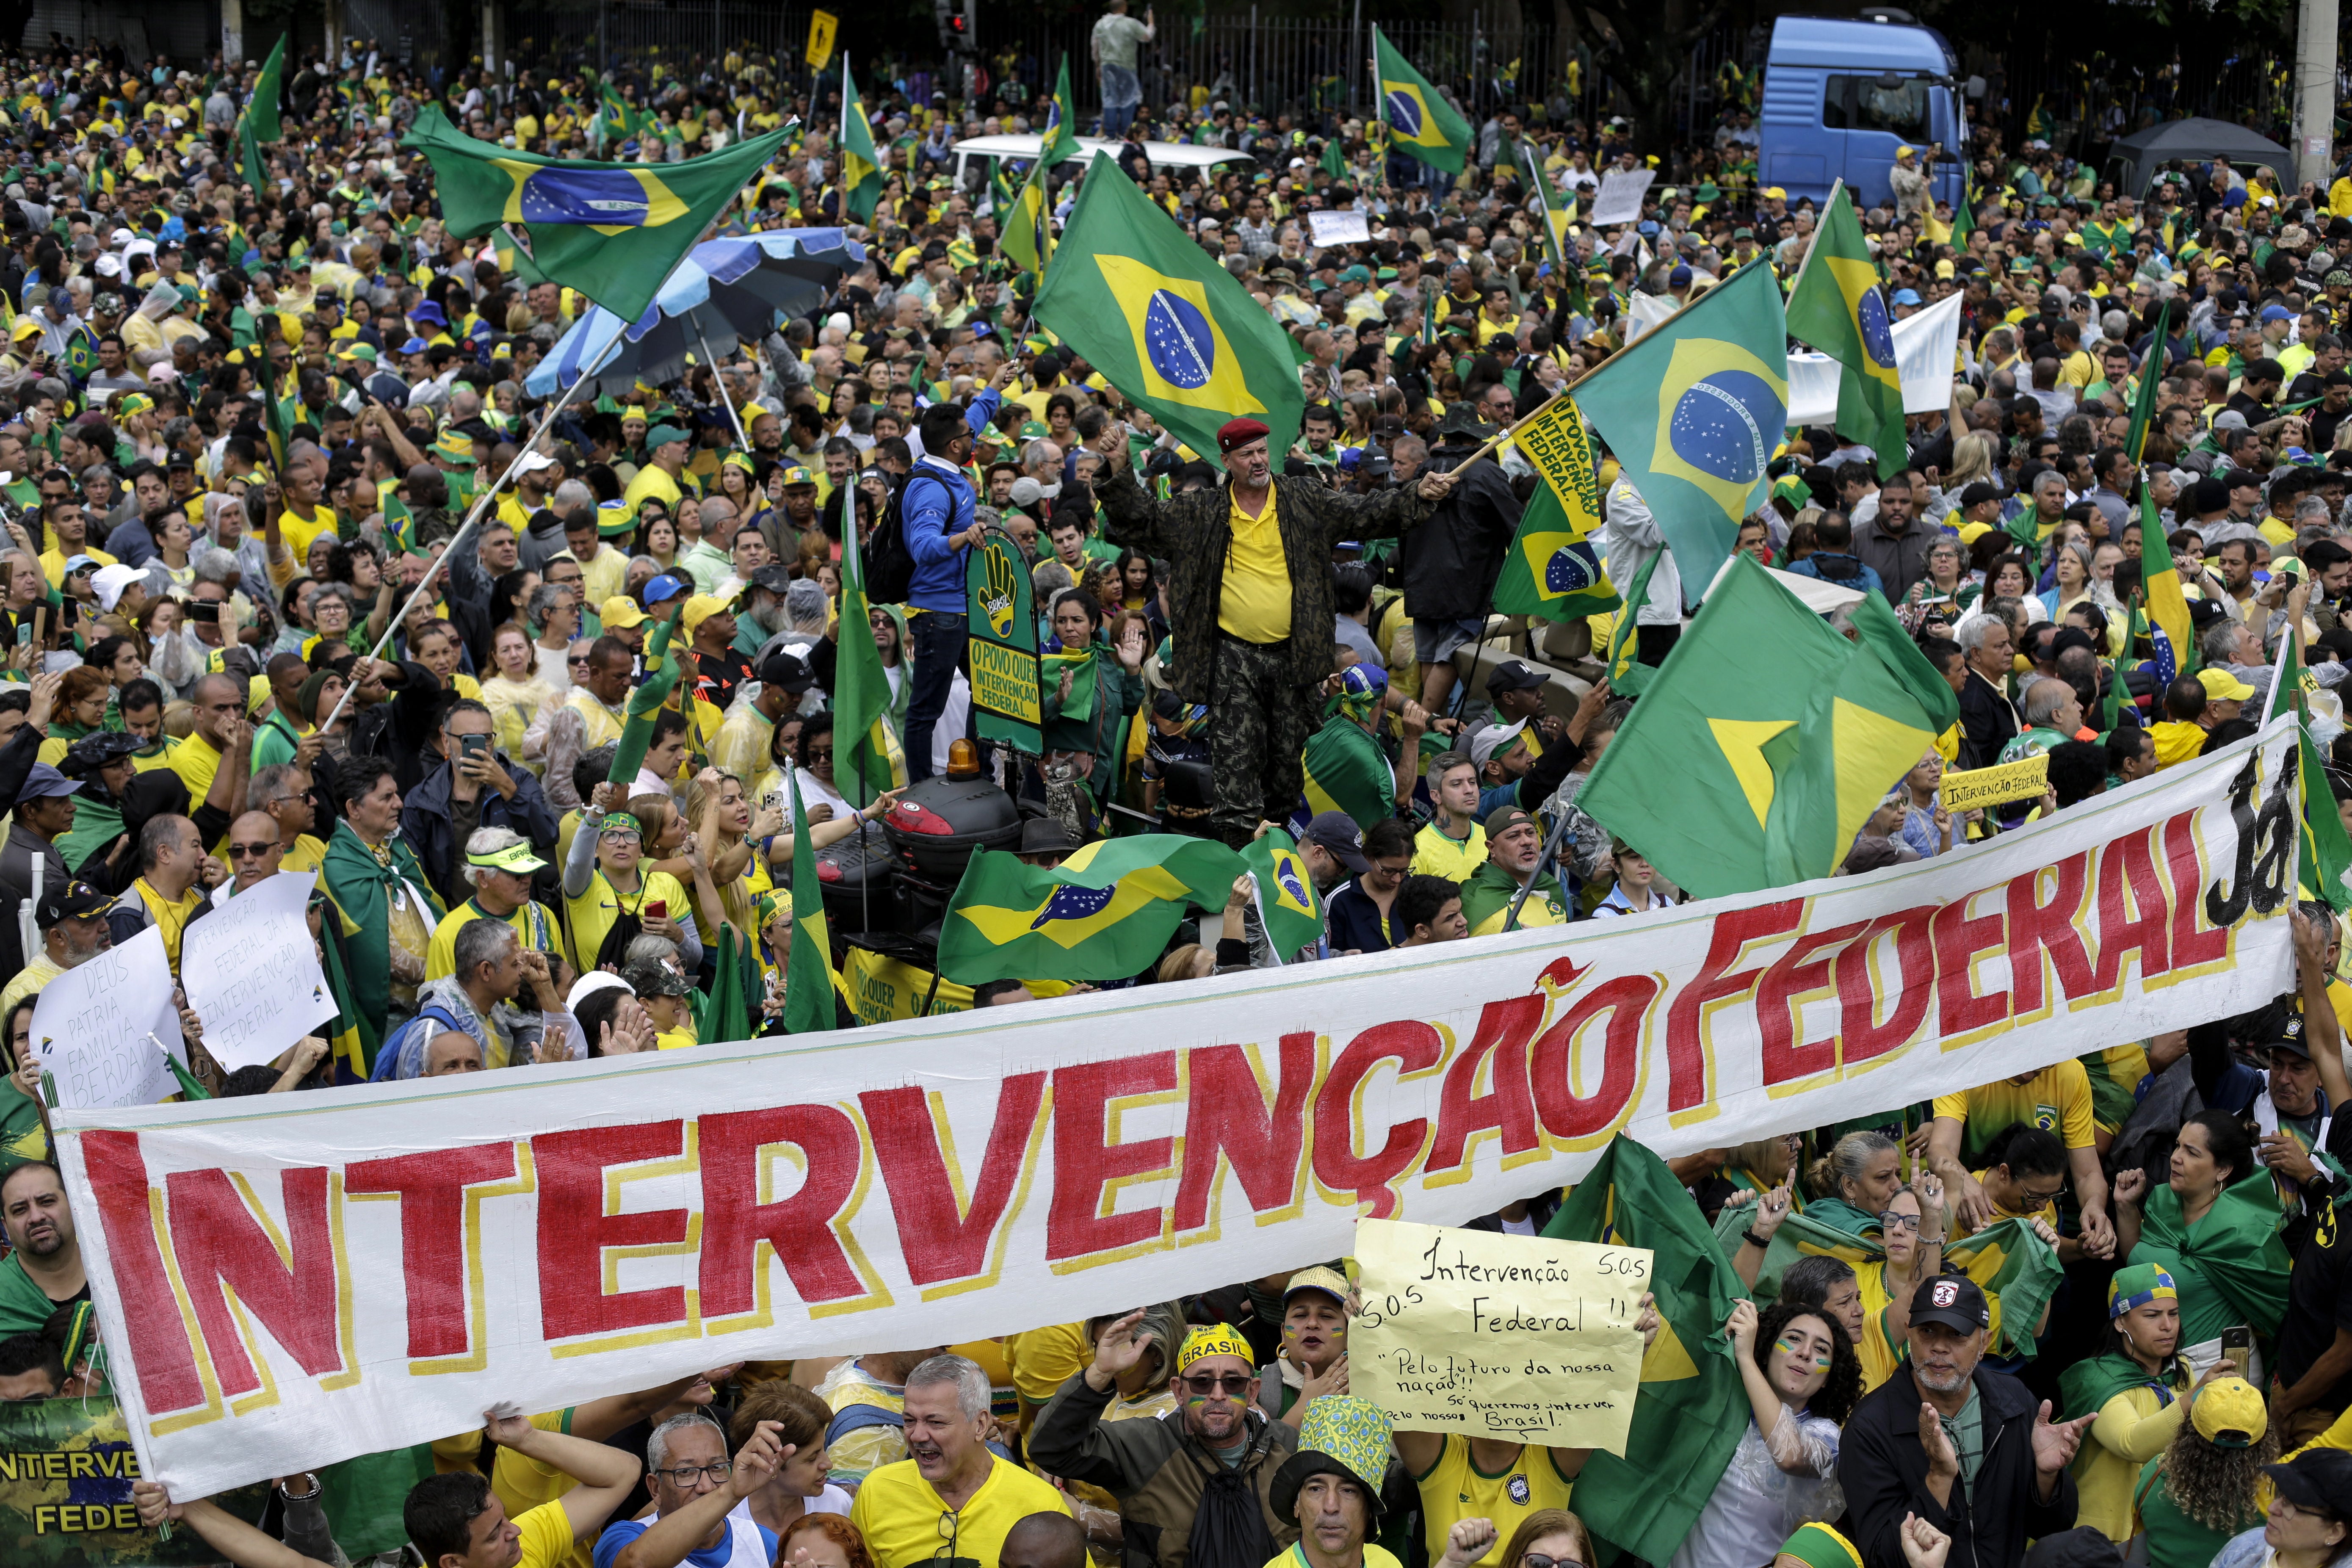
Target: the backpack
(889, 565)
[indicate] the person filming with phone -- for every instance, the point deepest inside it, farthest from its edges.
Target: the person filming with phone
(474, 785)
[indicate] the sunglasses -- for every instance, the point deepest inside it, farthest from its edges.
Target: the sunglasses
(1209, 1384)
(251, 851)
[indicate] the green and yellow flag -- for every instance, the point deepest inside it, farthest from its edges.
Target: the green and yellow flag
(808, 970)
(1554, 571)
(1836, 307)
(1688, 1419)
(2326, 850)
(261, 109)
(871, 758)
(1693, 411)
(1345, 770)
(661, 676)
(1736, 773)
(861, 165)
(1627, 673)
(1164, 324)
(1419, 119)
(612, 231)
(1559, 210)
(1059, 139)
(1287, 901)
(1105, 914)
(2168, 606)
(2151, 371)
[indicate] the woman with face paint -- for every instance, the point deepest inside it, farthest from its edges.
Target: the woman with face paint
(1802, 1379)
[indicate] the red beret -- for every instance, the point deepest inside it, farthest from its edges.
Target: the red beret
(1239, 433)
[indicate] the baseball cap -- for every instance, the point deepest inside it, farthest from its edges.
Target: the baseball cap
(2230, 1413)
(515, 858)
(1494, 739)
(797, 475)
(1327, 1280)
(2277, 313)
(75, 900)
(1978, 493)
(619, 612)
(773, 578)
(651, 978)
(2221, 686)
(588, 984)
(701, 608)
(661, 590)
(2082, 1547)
(1336, 832)
(1954, 1301)
(110, 581)
(1514, 674)
(44, 781)
(2319, 1479)
(787, 670)
(1502, 819)
(662, 436)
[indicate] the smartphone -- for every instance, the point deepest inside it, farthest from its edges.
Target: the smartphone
(204, 612)
(658, 909)
(2238, 1347)
(473, 745)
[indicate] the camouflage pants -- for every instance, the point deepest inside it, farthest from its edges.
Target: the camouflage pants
(1259, 719)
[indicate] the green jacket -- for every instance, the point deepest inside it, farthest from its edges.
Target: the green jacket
(361, 889)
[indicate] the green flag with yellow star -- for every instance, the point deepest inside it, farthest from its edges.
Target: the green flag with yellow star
(1736, 773)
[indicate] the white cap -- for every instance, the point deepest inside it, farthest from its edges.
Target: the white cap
(588, 984)
(108, 582)
(1493, 739)
(532, 461)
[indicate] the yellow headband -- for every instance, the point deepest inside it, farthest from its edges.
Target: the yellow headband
(1218, 1340)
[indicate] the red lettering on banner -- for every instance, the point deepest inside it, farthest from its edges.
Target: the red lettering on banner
(1959, 938)
(1086, 1160)
(939, 1240)
(2036, 928)
(1804, 966)
(800, 1227)
(1416, 1048)
(2127, 877)
(168, 1376)
(1686, 1064)
(1226, 1113)
(1566, 1114)
(221, 1246)
(431, 1188)
(2193, 942)
(1861, 1037)
(1504, 1029)
(575, 1230)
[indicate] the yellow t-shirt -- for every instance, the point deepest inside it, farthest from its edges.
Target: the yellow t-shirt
(1455, 1488)
(651, 480)
(2277, 532)
(900, 1515)
(529, 1490)
(593, 911)
(2057, 1099)
(1375, 1556)
(196, 760)
(300, 531)
(1042, 1360)
(1435, 855)
(547, 1536)
(2131, 1429)
(533, 923)
(1881, 1351)
(1255, 604)
(53, 562)
(604, 578)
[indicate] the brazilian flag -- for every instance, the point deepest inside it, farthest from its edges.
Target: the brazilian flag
(1167, 326)
(1286, 897)
(1000, 193)
(1692, 1408)
(1419, 121)
(1737, 773)
(81, 356)
(1105, 914)
(1694, 410)
(1059, 139)
(1553, 571)
(861, 165)
(1627, 673)
(1346, 771)
(2327, 852)
(261, 109)
(808, 970)
(1837, 307)
(612, 231)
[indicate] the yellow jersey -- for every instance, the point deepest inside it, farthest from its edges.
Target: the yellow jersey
(1254, 602)
(901, 1516)
(1455, 1488)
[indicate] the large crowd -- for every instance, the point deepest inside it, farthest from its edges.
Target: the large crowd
(243, 425)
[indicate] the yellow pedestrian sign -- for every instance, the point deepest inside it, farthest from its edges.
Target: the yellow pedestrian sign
(822, 25)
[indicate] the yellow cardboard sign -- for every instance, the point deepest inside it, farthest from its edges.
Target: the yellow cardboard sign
(2023, 779)
(822, 25)
(1519, 1339)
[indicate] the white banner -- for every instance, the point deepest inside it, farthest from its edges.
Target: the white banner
(1339, 227)
(1619, 200)
(251, 972)
(285, 1280)
(1924, 347)
(91, 1023)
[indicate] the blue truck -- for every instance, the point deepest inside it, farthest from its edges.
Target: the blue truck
(1841, 94)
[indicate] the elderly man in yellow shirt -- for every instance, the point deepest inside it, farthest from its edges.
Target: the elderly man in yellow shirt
(664, 477)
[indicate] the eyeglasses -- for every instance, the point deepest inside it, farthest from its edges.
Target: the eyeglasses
(251, 851)
(684, 1476)
(950, 1523)
(816, 756)
(1209, 1384)
(1538, 1560)
(2042, 1199)
(1891, 1220)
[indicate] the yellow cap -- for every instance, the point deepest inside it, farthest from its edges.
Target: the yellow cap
(620, 613)
(1218, 1339)
(701, 608)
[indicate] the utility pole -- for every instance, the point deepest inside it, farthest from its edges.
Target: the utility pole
(2314, 93)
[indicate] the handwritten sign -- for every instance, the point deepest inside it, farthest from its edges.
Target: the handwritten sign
(91, 1023)
(1619, 200)
(1346, 227)
(2020, 780)
(1517, 1338)
(251, 972)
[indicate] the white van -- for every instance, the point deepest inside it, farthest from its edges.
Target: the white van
(1176, 157)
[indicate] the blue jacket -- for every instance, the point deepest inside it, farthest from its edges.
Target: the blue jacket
(936, 505)
(1848, 571)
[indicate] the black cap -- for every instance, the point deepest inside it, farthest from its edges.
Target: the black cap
(1978, 494)
(2082, 1547)
(1047, 836)
(1336, 832)
(775, 579)
(787, 670)
(96, 750)
(2316, 1479)
(76, 900)
(1954, 1301)
(2211, 494)
(2288, 1034)
(651, 978)
(1514, 674)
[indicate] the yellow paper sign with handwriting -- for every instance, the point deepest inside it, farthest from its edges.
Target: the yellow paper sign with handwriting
(1520, 1339)
(2020, 780)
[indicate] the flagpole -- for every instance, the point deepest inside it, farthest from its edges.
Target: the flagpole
(728, 402)
(457, 541)
(1489, 448)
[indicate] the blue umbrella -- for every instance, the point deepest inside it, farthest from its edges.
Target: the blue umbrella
(724, 291)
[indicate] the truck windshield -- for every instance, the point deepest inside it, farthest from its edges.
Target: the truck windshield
(1873, 103)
